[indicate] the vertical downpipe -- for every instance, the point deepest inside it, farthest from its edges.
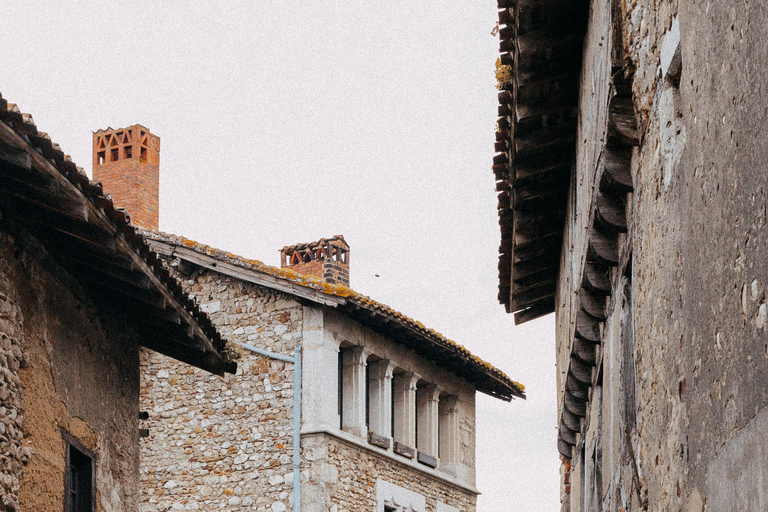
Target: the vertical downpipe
(297, 429)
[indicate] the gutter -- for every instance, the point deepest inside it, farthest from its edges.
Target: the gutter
(296, 360)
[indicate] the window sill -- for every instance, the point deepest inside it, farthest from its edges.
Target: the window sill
(402, 459)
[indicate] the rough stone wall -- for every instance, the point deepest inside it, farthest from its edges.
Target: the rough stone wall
(224, 443)
(64, 366)
(644, 24)
(341, 477)
(698, 276)
(12, 356)
(702, 247)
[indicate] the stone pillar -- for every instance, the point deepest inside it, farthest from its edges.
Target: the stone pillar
(380, 398)
(448, 412)
(320, 387)
(405, 408)
(427, 399)
(353, 394)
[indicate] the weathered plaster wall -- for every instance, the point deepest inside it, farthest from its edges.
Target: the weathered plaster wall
(342, 477)
(702, 247)
(63, 366)
(698, 276)
(224, 443)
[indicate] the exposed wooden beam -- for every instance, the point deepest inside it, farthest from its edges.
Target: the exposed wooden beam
(584, 350)
(610, 211)
(597, 278)
(97, 219)
(617, 162)
(622, 122)
(539, 309)
(592, 305)
(604, 247)
(587, 327)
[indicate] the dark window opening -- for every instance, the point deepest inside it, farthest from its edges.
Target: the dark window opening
(392, 409)
(101, 156)
(416, 426)
(367, 396)
(128, 151)
(143, 153)
(114, 155)
(341, 388)
(80, 481)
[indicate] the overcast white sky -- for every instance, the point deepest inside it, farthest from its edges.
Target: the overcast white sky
(284, 122)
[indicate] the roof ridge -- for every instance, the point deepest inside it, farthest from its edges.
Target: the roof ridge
(334, 290)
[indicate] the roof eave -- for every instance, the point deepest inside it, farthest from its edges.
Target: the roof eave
(96, 243)
(542, 45)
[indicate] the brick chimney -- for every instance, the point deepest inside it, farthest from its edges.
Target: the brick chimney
(328, 259)
(126, 161)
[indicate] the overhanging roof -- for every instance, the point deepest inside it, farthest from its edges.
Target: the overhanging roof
(81, 229)
(379, 317)
(542, 43)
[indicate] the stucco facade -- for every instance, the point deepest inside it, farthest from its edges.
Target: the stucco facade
(67, 370)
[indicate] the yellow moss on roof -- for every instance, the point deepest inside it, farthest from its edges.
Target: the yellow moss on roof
(337, 290)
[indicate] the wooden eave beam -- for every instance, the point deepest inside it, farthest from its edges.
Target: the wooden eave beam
(99, 221)
(527, 299)
(537, 310)
(66, 223)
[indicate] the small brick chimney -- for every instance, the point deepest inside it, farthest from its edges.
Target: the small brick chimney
(127, 162)
(328, 259)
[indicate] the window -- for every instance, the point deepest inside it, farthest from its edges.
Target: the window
(341, 388)
(79, 478)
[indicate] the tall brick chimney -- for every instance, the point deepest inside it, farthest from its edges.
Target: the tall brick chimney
(328, 259)
(127, 162)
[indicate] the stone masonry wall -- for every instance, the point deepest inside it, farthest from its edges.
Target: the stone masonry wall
(698, 275)
(338, 476)
(12, 357)
(217, 443)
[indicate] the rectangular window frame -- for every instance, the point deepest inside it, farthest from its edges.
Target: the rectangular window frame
(77, 455)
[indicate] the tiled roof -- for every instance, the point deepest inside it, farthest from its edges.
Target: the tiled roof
(447, 353)
(538, 72)
(81, 227)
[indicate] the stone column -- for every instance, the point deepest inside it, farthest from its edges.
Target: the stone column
(380, 398)
(353, 394)
(320, 379)
(427, 399)
(405, 408)
(448, 410)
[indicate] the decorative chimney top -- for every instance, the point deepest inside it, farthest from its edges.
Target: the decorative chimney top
(328, 259)
(126, 161)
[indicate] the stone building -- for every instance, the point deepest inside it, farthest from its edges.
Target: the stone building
(387, 405)
(633, 205)
(386, 417)
(80, 293)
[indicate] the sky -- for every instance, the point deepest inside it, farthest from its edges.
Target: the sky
(285, 122)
